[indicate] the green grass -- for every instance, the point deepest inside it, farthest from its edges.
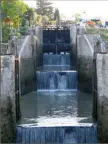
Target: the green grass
(103, 33)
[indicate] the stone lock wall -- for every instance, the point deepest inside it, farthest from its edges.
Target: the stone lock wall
(7, 105)
(27, 66)
(84, 63)
(102, 96)
(73, 42)
(30, 56)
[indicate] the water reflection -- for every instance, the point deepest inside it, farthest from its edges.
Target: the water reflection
(56, 108)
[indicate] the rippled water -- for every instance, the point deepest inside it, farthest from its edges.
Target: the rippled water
(56, 108)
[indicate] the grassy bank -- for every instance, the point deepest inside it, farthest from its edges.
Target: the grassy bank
(103, 32)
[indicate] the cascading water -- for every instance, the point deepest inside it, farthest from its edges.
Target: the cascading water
(56, 59)
(65, 80)
(56, 62)
(58, 135)
(58, 115)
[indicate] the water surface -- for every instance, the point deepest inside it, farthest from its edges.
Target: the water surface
(52, 108)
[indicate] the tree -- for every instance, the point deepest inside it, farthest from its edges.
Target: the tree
(14, 10)
(29, 15)
(39, 19)
(44, 7)
(45, 20)
(57, 16)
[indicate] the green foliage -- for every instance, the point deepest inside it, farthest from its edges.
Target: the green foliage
(44, 7)
(18, 35)
(57, 16)
(39, 19)
(12, 32)
(103, 32)
(14, 10)
(53, 22)
(6, 32)
(30, 15)
(99, 23)
(23, 30)
(45, 20)
(74, 22)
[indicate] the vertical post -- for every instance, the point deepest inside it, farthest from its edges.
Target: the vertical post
(0, 26)
(17, 90)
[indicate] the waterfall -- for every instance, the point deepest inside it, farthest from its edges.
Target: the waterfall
(57, 135)
(62, 82)
(56, 59)
(52, 85)
(65, 80)
(56, 67)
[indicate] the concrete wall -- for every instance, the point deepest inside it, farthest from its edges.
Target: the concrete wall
(29, 56)
(94, 39)
(7, 105)
(81, 30)
(30, 59)
(39, 35)
(84, 62)
(102, 96)
(74, 32)
(73, 39)
(27, 65)
(83, 49)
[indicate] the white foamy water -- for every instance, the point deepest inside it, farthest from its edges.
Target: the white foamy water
(56, 121)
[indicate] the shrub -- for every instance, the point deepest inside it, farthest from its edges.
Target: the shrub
(23, 30)
(6, 32)
(18, 35)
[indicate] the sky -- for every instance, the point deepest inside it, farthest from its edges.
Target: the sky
(70, 7)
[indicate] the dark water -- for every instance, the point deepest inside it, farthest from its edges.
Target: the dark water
(56, 117)
(52, 35)
(56, 48)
